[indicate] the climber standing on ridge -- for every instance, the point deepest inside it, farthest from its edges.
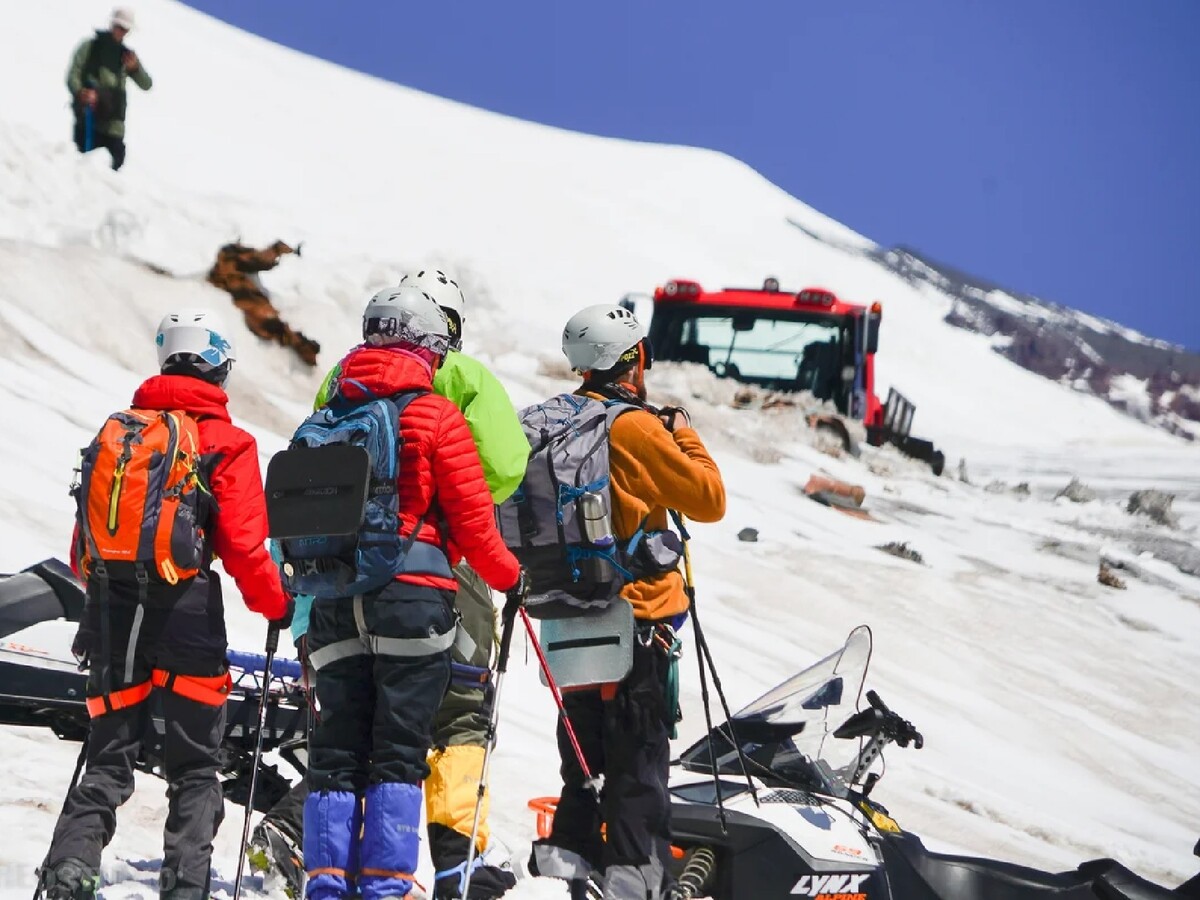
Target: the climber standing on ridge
(99, 70)
(236, 272)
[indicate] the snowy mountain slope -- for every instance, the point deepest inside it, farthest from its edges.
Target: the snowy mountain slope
(1060, 716)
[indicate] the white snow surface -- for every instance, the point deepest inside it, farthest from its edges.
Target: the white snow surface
(1061, 717)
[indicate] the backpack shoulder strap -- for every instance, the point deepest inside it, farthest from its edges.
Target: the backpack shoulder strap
(616, 408)
(90, 66)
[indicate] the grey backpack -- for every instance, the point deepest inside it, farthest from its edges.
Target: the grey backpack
(558, 522)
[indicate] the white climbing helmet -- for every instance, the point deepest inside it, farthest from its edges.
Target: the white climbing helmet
(195, 342)
(597, 337)
(445, 293)
(406, 315)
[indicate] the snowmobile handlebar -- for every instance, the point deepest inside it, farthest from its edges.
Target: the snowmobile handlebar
(256, 662)
(895, 728)
(880, 722)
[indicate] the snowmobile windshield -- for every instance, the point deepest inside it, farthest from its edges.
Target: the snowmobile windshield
(788, 731)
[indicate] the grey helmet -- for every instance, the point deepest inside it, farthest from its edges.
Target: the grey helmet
(195, 342)
(596, 338)
(405, 315)
(446, 293)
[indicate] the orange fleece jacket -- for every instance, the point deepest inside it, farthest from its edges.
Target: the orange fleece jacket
(653, 470)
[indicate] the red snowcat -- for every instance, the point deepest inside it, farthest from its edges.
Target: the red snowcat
(810, 340)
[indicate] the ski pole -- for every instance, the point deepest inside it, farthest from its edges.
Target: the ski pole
(272, 646)
(89, 122)
(705, 655)
(509, 618)
(79, 763)
(589, 779)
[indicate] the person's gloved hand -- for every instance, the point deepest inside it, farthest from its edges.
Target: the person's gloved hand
(675, 417)
(289, 610)
(87, 97)
(517, 593)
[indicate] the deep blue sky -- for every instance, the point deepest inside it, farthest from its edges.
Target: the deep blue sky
(1050, 145)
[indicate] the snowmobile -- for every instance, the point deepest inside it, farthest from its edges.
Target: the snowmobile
(41, 685)
(783, 819)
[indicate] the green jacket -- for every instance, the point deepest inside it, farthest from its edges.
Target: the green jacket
(98, 64)
(497, 431)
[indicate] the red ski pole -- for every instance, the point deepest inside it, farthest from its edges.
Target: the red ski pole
(590, 780)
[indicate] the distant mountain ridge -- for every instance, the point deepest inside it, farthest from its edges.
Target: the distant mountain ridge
(1152, 380)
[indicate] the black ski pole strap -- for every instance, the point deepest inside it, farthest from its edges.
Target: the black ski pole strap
(678, 520)
(506, 632)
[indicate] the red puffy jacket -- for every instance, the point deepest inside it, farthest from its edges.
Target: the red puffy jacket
(229, 456)
(439, 468)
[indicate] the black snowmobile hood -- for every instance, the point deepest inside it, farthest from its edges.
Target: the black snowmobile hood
(40, 593)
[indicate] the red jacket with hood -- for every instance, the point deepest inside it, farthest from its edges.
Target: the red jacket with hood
(229, 455)
(439, 468)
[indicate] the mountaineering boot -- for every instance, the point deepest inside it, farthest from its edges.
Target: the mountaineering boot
(69, 879)
(491, 876)
(332, 822)
(391, 840)
(273, 852)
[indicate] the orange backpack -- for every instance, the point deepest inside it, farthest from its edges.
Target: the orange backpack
(140, 497)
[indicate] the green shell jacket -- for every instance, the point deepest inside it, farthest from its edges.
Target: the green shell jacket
(98, 64)
(497, 431)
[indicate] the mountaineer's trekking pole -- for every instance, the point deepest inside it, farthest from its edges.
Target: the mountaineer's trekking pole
(509, 618)
(705, 655)
(589, 779)
(272, 646)
(89, 122)
(79, 764)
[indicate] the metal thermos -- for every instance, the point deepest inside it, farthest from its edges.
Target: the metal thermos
(597, 528)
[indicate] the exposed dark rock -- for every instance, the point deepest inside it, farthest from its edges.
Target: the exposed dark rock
(902, 550)
(1064, 345)
(750, 535)
(1077, 492)
(1108, 578)
(1155, 504)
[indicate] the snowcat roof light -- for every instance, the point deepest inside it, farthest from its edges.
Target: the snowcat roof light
(815, 297)
(877, 308)
(679, 289)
